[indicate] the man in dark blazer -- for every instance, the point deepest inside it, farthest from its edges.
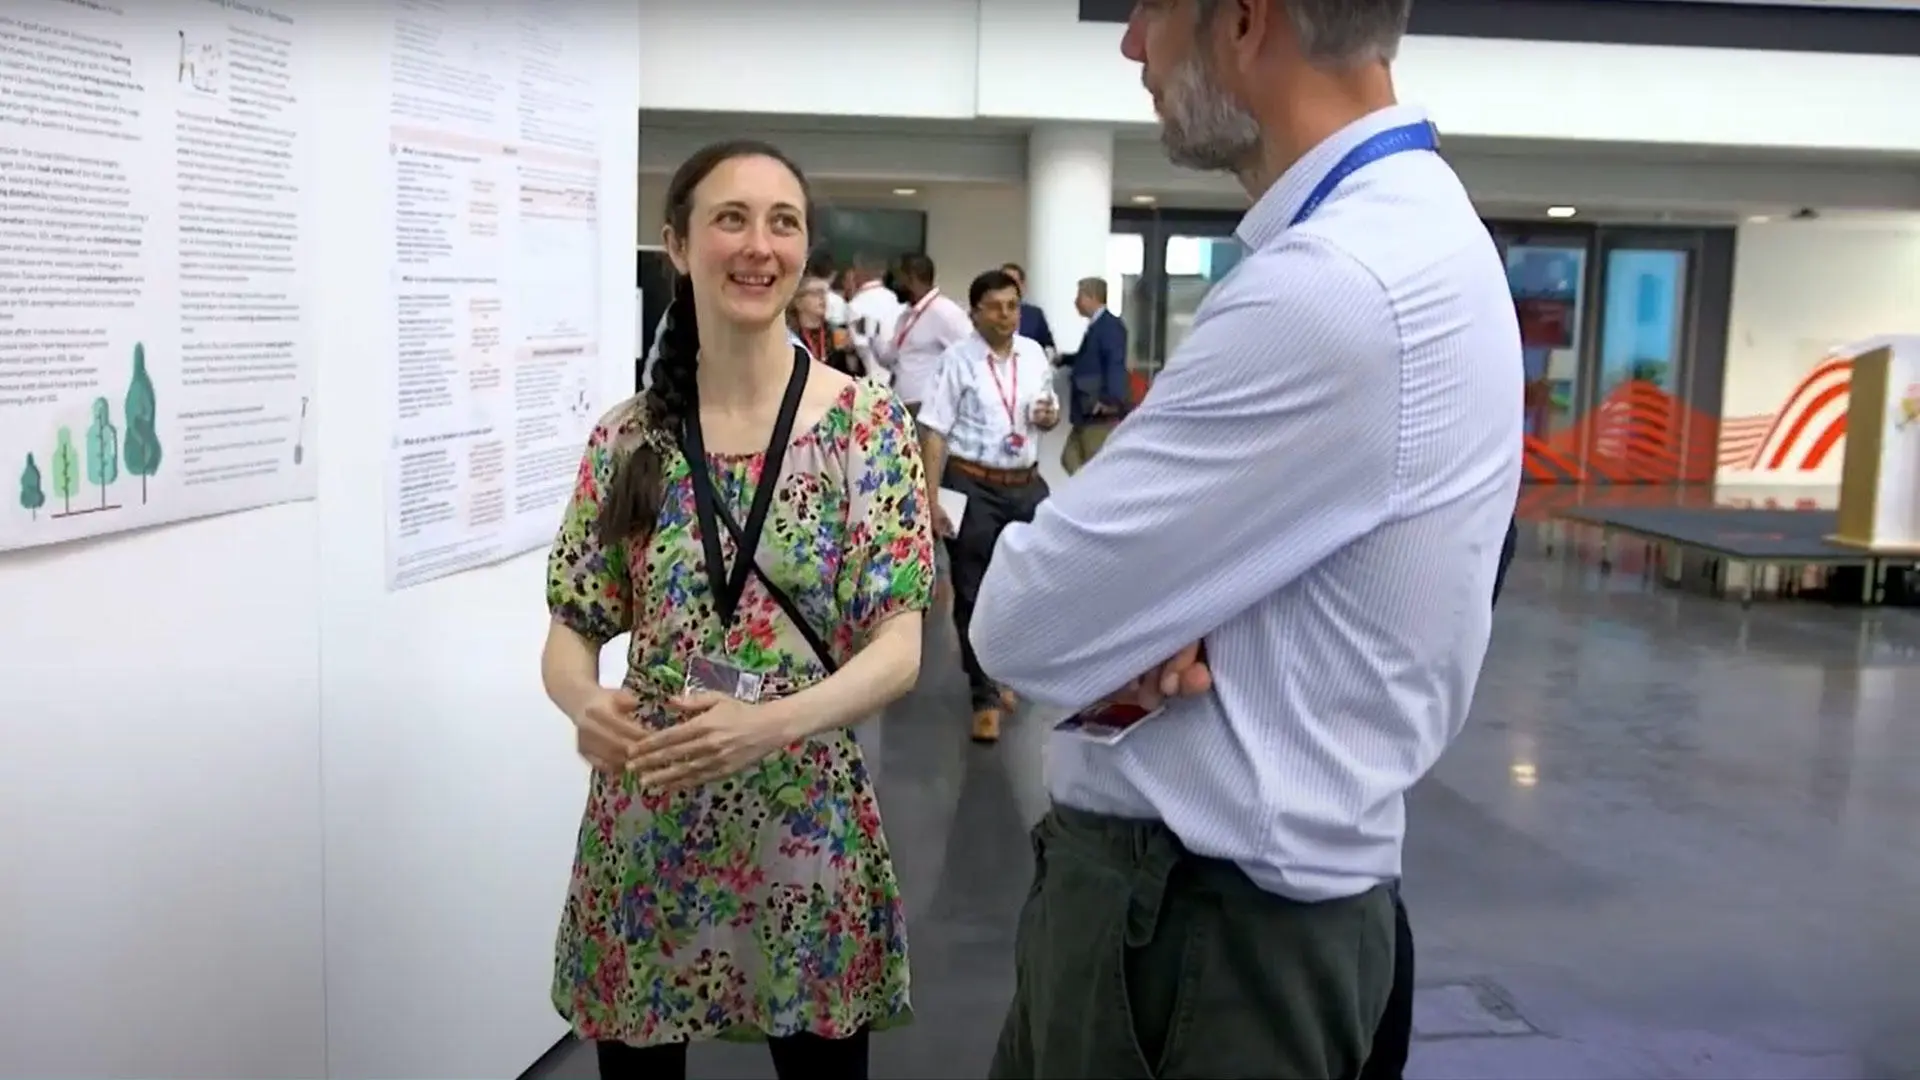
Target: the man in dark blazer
(1033, 321)
(1102, 389)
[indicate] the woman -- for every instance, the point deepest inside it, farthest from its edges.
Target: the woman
(732, 879)
(829, 344)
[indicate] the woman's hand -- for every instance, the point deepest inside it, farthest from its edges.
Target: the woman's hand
(717, 737)
(607, 728)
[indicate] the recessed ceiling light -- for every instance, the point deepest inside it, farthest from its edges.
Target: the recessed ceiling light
(1758, 219)
(906, 191)
(1561, 211)
(1144, 199)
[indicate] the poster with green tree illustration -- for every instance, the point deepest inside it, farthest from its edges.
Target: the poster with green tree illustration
(32, 496)
(66, 470)
(103, 450)
(142, 451)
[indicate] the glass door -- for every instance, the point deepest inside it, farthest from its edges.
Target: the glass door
(1643, 317)
(1547, 276)
(1193, 264)
(1184, 252)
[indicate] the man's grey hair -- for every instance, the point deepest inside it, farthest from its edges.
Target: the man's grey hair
(1342, 32)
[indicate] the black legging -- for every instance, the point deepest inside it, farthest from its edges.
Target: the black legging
(1393, 1039)
(795, 1057)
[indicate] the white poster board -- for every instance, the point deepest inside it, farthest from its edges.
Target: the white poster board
(1897, 507)
(494, 163)
(156, 350)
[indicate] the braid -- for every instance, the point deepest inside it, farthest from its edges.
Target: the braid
(639, 479)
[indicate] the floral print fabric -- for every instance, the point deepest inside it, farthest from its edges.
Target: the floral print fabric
(764, 904)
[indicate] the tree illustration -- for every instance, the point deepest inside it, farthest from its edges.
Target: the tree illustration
(103, 449)
(142, 451)
(66, 470)
(32, 498)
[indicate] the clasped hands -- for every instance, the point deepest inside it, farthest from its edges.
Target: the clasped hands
(717, 737)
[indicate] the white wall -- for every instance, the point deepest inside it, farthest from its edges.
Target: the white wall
(453, 793)
(1034, 60)
(199, 718)
(839, 58)
(1801, 289)
(160, 803)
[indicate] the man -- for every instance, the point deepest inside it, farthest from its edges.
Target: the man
(1314, 490)
(1101, 389)
(821, 266)
(930, 325)
(1033, 321)
(980, 430)
(872, 310)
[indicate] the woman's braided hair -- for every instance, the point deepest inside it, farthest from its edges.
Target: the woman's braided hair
(639, 478)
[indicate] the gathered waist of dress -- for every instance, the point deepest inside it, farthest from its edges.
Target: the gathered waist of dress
(656, 687)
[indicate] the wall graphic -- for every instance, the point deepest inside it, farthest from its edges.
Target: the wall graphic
(1806, 432)
(1639, 434)
(1643, 435)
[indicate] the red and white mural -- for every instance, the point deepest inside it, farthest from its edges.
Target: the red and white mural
(1797, 441)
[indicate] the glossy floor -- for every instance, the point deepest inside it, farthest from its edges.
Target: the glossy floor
(1676, 840)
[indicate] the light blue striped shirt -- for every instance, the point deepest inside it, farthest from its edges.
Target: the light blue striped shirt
(1318, 486)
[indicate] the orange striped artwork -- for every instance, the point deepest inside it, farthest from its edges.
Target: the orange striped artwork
(1643, 435)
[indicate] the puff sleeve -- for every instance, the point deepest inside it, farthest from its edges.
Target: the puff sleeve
(888, 567)
(589, 584)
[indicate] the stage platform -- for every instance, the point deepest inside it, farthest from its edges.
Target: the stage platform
(1742, 552)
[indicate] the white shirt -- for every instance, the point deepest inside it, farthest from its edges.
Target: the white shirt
(978, 400)
(836, 309)
(912, 349)
(1317, 486)
(871, 314)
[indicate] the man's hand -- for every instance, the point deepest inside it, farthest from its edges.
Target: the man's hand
(942, 522)
(1044, 412)
(1184, 675)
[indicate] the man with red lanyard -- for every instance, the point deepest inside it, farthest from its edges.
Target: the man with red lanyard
(980, 427)
(925, 330)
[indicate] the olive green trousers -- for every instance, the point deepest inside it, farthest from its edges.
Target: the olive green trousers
(1135, 958)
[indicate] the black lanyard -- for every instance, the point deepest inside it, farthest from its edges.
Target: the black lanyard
(728, 586)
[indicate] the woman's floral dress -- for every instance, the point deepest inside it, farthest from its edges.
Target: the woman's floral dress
(764, 904)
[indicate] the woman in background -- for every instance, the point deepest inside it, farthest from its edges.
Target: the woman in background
(824, 341)
(731, 878)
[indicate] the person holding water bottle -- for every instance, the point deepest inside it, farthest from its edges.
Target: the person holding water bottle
(980, 426)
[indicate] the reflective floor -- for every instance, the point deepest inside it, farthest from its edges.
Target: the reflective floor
(1675, 840)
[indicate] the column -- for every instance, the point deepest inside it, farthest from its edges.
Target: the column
(1069, 213)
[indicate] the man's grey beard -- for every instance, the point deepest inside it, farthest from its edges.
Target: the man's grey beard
(1202, 128)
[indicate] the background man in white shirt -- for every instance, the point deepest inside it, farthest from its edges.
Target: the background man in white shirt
(929, 326)
(1316, 489)
(980, 428)
(872, 311)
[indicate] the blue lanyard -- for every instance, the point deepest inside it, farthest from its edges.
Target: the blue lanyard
(1398, 140)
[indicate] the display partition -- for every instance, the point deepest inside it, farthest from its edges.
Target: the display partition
(1880, 477)
(265, 814)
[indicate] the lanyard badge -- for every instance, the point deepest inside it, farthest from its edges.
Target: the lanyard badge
(1008, 392)
(728, 585)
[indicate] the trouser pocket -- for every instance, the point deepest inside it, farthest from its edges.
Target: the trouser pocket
(1101, 972)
